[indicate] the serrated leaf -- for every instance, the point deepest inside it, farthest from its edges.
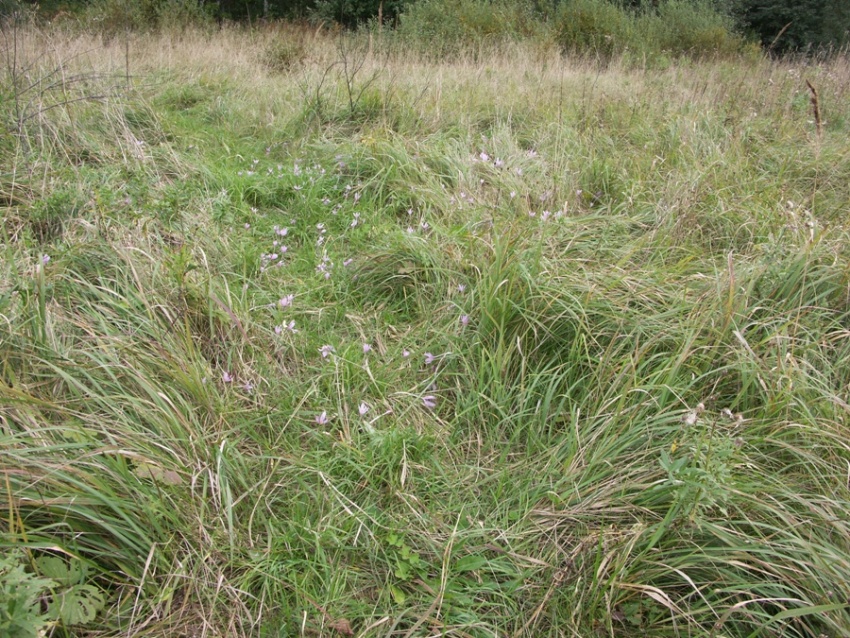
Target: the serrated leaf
(77, 605)
(60, 570)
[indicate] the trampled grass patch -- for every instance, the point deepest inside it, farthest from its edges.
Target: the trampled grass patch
(365, 344)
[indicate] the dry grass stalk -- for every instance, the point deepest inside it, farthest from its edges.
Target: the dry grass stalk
(816, 108)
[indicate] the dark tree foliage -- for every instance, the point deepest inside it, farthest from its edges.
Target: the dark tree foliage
(797, 25)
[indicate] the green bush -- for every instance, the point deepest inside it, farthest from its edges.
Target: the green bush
(602, 29)
(691, 28)
(446, 27)
(595, 27)
(111, 17)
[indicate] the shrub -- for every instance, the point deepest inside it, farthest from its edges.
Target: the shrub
(594, 27)
(691, 28)
(443, 27)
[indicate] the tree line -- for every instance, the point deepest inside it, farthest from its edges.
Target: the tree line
(779, 25)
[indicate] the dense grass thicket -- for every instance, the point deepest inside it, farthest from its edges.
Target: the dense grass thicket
(309, 335)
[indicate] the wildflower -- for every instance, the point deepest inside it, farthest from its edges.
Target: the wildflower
(545, 215)
(226, 377)
(347, 262)
(484, 157)
(291, 326)
(322, 419)
(286, 301)
(283, 232)
(429, 401)
(429, 358)
(464, 320)
(247, 226)
(366, 348)
(326, 350)
(248, 386)
(499, 163)
(513, 194)
(405, 353)
(363, 409)
(461, 288)
(45, 259)
(278, 330)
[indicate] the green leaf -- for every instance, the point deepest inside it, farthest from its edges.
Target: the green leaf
(398, 595)
(61, 571)
(470, 563)
(77, 605)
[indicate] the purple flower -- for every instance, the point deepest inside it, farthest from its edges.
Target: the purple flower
(347, 262)
(405, 353)
(464, 320)
(291, 326)
(322, 419)
(484, 157)
(429, 401)
(247, 226)
(278, 330)
(429, 358)
(248, 386)
(366, 348)
(45, 259)
(286, 300)
(363, 409)
(461, 287)
(226, 377)
(326, 350)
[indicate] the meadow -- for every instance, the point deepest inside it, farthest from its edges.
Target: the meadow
(311, 334)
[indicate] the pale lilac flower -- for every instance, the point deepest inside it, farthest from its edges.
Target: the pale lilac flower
(347, 262)
(357, 197)
(484, 157)
(248, 386)
(464, 320)
(429, 401)
(366, 348)
(45, 259)
(363, 409)
(326, 350)
(410, 230)
(291, 326)
(405, 353)
(513, 194)
(226, 377)
(247, 226)
(461, 288)
(429, 358)
(499, 163)
(322, 419)
(283, 232)
(286, 301)
(278, 330)
(545, 215)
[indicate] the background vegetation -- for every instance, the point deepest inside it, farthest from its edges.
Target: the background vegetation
(534, 331)
(781, 26)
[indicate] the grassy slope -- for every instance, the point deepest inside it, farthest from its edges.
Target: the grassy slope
(623, 292)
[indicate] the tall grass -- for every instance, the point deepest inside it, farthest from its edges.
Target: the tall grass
(554, 349)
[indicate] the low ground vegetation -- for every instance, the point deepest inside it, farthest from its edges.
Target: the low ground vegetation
(305, 334)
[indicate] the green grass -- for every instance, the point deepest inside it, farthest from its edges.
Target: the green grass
(605, 311)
